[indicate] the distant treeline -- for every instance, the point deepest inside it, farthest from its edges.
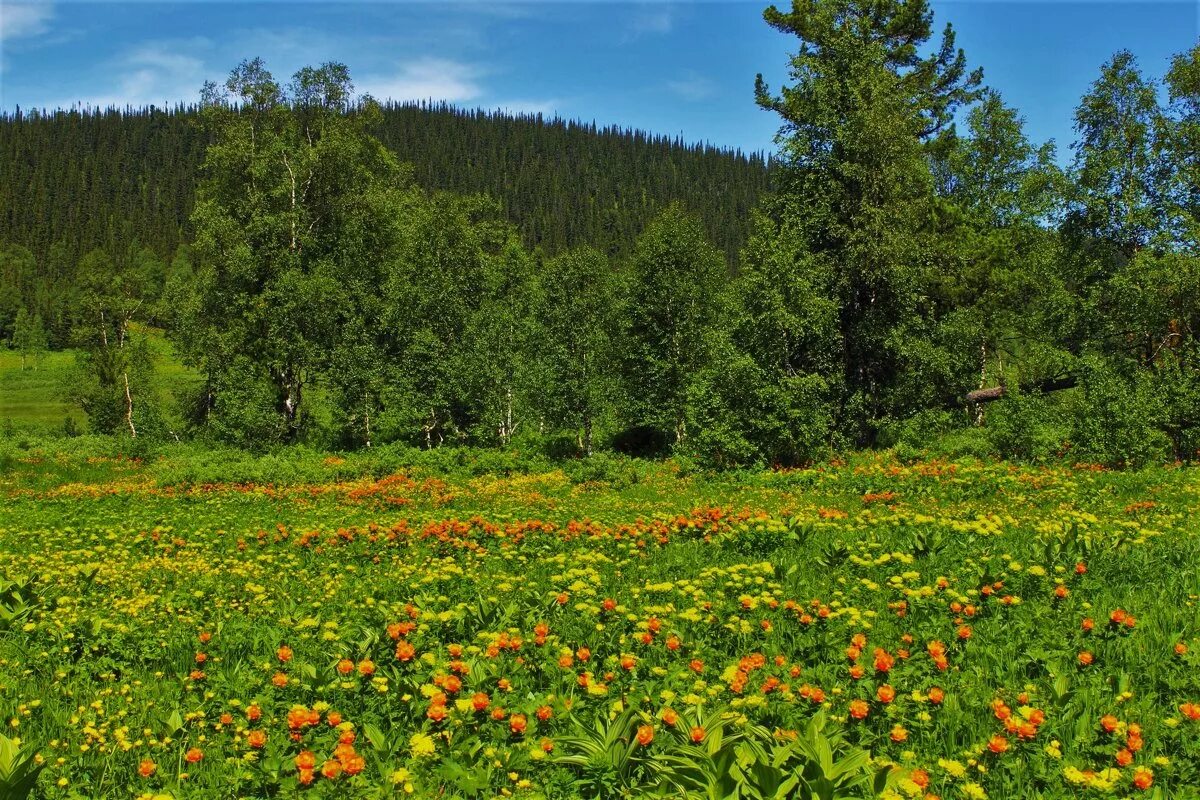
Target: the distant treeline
(116, 178)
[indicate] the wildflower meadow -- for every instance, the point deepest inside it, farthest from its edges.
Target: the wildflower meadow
(859, 629)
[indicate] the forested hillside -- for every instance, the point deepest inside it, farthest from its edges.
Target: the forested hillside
(919, 272)
(113, 179)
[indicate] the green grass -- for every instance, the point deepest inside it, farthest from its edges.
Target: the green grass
(764, 578)
(37, 397)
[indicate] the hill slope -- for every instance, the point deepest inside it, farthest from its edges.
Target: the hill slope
(111, 178)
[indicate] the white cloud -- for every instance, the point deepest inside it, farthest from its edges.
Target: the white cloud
(426, 79)
(693, 86)
(152, 73)
(650, 20)
(18, 20)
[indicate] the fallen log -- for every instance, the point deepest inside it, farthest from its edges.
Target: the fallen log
(981, 396)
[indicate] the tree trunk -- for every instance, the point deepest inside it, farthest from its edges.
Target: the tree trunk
(996, 392)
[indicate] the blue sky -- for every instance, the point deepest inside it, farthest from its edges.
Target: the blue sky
(678, 68)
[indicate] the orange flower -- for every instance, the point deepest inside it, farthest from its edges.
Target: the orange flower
(1180, 649)
(544, 713)
(883, 660)
(899, 734)
(673, 642)
(405, 651)
(885, 693)
(1124, 757)
(226, 718)
(998, 744)
(1143, 778)
(920, 777)
(645, 734)
(194, 755)
(1109, 723)
(205, 637)
(697, 734)
(436, 712)
(306, 760)
(284, 653)
(859, 709)
(1191, 711)
(305, 777)
(517, 724)
(609, 604)
(669, 717)
(628, 663)
(583, 654)
(480, 701)
(936, 696)
(333, 718)
(331, 769)
(201, 657)
(696, 665)
(279, 680)
(147, 768)
(253, 713)
(354, 764)
(1087, 624)
(1085, 658)
(546, 744)
(345, 666)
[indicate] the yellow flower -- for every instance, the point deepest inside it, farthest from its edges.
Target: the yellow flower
(421, 745)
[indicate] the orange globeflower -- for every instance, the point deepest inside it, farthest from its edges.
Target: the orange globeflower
(345, 666)
(1124, 757)
(547, 745)
(697, 734)
(517, 724)
(284, 653)
(480, 701)
(256, 739)
(1085, 658)
(194, 755)
(305, 777)
(436, 712)
(226, 718)
(628, 662)
(279, 679)
(998, 744)
(645, 734)
(609, 604)
(366, 667)
(899, 733)
(201, 657)
(936, 696)
(859, 709)
(885, 693)
(333, 718)
(147, 768)
(670, 717)
(205, 637)
(696, 665)
(306, 760)
(405, 651)
(1191, 711)
(1087, 624)
(331, 769)
(253, 713)
(1180, 649)
(920, 777)
(1143, 778)
(354, 764)
(1109, 723)
(583, 654)
(544, 713)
